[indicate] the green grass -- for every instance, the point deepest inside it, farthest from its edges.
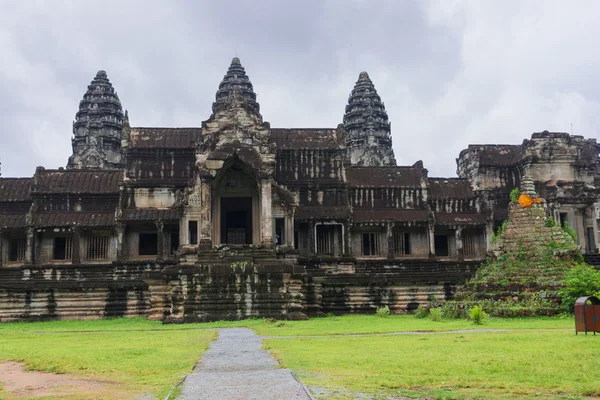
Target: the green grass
(500, 365)
(148, 357)
(142, 361)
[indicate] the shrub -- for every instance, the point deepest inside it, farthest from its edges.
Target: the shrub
(383, 311)
(421, 312)
(570, 231)
(435, 314)
(550, 223)
(453, 310)
(514, 195)
(330, 315)
(500, 231)
(477, 315)
(581, 280)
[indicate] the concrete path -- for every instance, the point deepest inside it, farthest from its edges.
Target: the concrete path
(235, 368)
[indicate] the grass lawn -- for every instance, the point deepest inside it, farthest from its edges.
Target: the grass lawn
(138, 355)
(522, 363)
(536, 357)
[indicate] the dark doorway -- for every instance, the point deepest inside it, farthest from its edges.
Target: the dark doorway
(591, 242)
(236, 220)
(441, 245)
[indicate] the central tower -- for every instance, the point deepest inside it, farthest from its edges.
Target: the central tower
(368, 131)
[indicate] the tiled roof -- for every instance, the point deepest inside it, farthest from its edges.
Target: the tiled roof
(313, 138)
(12, 221)
(15, 189)
(68, 219)
(384, 176)
(390, 215)
(320, 212)
(77, 181)
(459, 219)
(450, 188)
(172, 138)
(150, 214)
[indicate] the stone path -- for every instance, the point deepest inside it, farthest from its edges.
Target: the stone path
(235, 368)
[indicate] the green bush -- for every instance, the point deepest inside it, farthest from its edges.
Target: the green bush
(435, 314)
(581, 280)
(550, 223)
(514, 195)
(570, 231)
(477, 315)
(383, 311)
(500, 231)
(421, 312)
(453, 310)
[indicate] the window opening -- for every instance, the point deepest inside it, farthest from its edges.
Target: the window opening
(148, 244)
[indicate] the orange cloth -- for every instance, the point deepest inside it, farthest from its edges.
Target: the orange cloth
(526, 201)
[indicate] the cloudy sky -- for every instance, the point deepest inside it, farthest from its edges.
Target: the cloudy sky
(450, 72)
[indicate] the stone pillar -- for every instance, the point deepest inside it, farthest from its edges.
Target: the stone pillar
(459, 244)
(266, 215)
(120, 242)
(390, 241)
(206, 213)
(489, 232)
(595, 227)
(160, 242)
(431, 237)
(76, 251)
(311, 238)
(1, 248)
(30, 247)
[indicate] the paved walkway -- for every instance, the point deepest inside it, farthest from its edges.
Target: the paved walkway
(235, 368)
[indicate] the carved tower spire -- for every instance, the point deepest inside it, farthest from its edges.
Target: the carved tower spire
(235, 84)
(98, 128)
(368, 131)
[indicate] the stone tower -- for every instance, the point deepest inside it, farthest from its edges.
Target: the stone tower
(98, 128)
(368, 131)
(235, 83)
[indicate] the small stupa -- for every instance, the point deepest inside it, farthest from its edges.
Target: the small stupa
(529, 233)
(528, 261)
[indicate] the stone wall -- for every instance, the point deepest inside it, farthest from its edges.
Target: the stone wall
(186, 292)
(74, 291)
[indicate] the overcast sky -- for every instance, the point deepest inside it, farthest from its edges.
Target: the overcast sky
(451, 73)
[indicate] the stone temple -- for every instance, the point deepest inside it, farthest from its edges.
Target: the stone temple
(234, 218)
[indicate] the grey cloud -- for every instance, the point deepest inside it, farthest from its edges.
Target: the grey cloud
(450, 73)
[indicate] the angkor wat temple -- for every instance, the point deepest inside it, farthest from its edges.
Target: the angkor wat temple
(234, 218)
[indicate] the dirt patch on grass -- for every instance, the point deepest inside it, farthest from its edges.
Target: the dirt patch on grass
(16, 382)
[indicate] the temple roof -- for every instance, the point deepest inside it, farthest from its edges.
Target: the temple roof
(15, 189)
(440, 188)
(235, 83)
(385, 176)
(172, 138)
(391, 214)
(77, 181)
(306, 138)
(100, 105)
(69, 219)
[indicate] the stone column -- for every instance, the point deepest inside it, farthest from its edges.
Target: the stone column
(266, 215)
(489, 232)
(311, 238)
(459, 244)
(30, 247)
(76, 251)
(1, 248)
(120, 242)
(595, 227)
(431, 237)
(160, 242)
(390, 241)
(205, 222)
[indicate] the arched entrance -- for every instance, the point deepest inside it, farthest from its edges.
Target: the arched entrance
(236, 205)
